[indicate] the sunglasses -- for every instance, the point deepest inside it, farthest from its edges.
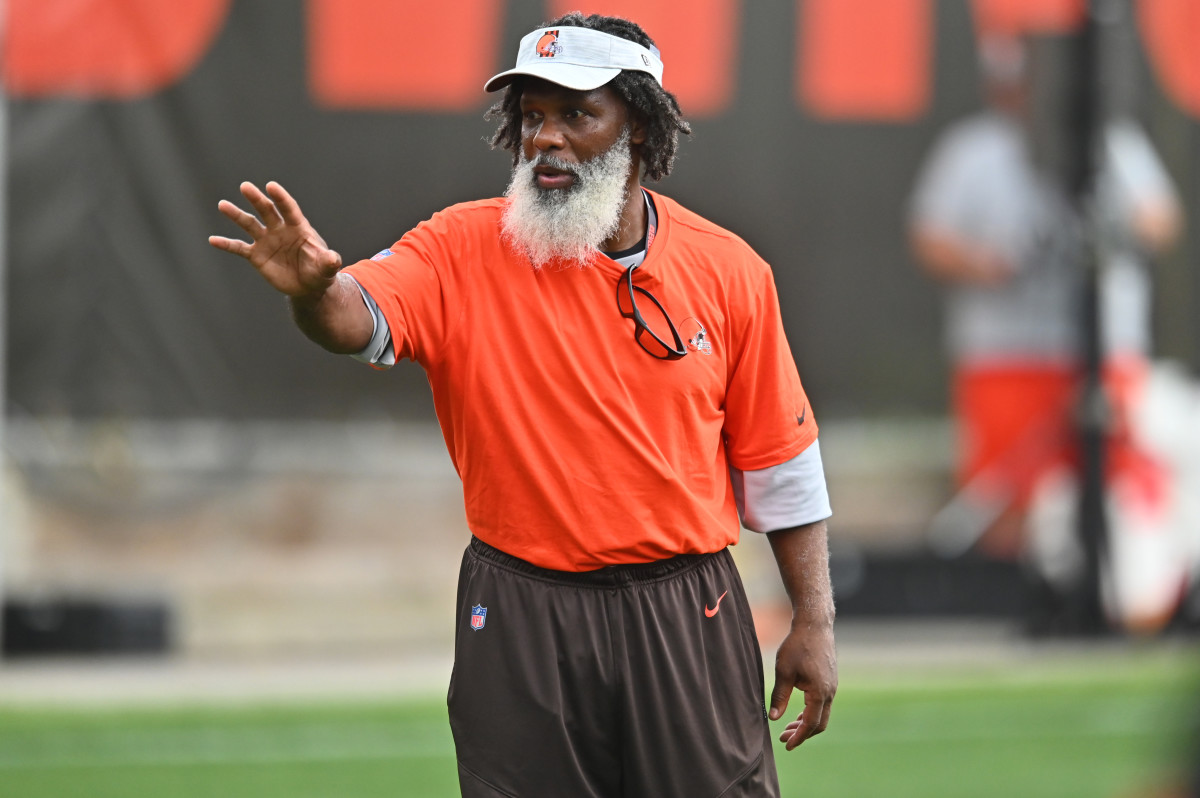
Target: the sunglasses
(651, 336)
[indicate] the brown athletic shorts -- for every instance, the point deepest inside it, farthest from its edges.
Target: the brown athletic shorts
(635, 680)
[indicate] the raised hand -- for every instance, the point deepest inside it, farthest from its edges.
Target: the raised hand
(286, 250)
(296, 261)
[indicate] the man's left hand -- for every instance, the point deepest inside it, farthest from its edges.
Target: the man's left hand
(806, 660)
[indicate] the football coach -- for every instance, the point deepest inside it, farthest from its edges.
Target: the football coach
(615, 389)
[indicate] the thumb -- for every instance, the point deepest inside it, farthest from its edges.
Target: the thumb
(779, 697)
(330, 262)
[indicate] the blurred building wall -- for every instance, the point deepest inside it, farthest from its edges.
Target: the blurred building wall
(804, 144)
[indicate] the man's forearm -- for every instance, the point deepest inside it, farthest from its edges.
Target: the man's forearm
(802, 554)
(953, 261)
(807, 657)
(336, 319)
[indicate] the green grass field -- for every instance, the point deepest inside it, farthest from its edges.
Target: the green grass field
(1092, 726)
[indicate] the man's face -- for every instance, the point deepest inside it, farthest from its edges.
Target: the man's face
(572, 126)
(575, 176)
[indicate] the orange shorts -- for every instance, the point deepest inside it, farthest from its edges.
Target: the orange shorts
(1016, 423)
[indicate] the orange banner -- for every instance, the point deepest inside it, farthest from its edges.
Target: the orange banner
(1171, 29)
(1028, 16)
(698, 40)
(421, 56)
(105, 48)
(865, 60)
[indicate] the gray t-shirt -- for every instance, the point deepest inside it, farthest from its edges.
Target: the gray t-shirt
(979, 185)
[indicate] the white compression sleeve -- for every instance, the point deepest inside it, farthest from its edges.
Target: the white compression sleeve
(379, 352)
(787, 495)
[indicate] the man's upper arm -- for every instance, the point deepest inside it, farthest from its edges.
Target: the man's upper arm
(942, 191)
(788, 495)
(768, 419)
(404, 289)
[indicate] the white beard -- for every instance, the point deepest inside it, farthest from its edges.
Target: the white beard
(568, 224)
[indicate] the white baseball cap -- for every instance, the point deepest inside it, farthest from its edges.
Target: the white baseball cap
(578, 58)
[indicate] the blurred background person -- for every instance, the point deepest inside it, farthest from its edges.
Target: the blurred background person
(995, 228)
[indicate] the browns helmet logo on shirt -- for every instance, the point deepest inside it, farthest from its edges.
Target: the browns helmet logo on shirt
(696, 336)
(548, 46)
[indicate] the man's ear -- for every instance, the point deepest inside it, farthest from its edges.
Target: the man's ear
(637, 132)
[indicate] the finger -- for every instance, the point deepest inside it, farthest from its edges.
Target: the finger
(330, 262)
(263, 204)
(827, 709)
(286, 204)
(780, 694)
(798, 735)
(230, 245)
(244, 220)
(327, 261)
(795, 737)
(810, 722)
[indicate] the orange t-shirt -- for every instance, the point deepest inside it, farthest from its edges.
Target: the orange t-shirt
(576, 448)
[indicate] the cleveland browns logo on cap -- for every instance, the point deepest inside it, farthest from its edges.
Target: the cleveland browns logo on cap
(548, 46)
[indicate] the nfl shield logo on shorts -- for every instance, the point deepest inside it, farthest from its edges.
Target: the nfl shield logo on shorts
(478, 617)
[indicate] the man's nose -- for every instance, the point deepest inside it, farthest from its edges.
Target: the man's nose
(548, 137)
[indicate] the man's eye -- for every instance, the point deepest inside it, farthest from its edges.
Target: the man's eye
(575, 113)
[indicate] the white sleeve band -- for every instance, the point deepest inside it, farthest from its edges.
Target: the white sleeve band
(783, 496)
(379, 352)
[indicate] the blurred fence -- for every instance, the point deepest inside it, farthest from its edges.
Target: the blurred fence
(279, 537)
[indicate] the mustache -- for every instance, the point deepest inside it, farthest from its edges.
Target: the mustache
(546, 159)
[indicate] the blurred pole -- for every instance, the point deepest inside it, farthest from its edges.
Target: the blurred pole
(5, 473)
(1094, 412)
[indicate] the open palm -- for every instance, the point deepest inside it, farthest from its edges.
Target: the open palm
(285, 248)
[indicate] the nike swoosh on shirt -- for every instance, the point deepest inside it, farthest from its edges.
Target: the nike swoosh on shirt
(710, 613)
(803, 415)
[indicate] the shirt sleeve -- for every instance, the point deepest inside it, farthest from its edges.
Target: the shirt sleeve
(408, 285)
(788, 495)
(1140, 175)
(768, 419)
(944, 186)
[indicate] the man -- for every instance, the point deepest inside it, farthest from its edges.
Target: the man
(613, 383)
(1000, 234)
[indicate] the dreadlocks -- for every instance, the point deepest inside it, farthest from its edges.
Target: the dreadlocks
(655, 107)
